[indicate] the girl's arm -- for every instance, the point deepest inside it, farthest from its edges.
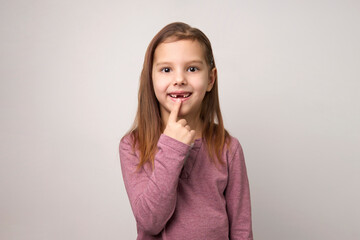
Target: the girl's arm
(237, 197)
(153, 194)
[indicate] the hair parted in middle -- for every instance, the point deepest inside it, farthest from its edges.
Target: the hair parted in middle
(148, 124)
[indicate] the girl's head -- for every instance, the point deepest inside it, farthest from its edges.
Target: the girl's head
(179, 36)
(179, 59)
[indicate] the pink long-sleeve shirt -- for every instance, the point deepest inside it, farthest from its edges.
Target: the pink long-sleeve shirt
(187, 196)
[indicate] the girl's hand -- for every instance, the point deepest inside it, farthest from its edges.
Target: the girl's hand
(179, 130)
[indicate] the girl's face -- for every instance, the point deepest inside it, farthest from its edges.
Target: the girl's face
(180, 71)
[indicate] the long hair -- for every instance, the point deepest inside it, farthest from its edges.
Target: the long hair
(148, 124)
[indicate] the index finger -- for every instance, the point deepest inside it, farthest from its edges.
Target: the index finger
(175, 111)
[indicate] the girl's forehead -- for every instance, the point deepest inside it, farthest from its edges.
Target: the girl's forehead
(179, 49)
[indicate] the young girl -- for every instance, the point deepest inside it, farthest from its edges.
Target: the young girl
(185, 176)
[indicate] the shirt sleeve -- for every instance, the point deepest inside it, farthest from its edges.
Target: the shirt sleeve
(237, 197)
(153, 194)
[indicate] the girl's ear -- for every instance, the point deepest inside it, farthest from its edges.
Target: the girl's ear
(212, 79)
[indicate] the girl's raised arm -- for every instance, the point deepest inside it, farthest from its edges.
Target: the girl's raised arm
(153, 194)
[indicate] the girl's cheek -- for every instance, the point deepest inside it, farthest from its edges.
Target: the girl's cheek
(199, 85)
(164, 86)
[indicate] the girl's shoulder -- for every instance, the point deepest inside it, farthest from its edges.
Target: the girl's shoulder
(128, 142)
(233, 141)
(130, 137)
(233, 146)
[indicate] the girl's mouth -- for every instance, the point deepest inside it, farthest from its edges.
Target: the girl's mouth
(182, 95)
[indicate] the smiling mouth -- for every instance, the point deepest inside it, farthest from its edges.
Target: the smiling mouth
(179, 95)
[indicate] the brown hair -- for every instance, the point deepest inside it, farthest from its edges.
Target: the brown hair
(148, 124)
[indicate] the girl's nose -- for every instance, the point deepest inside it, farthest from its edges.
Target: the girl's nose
(180, 79)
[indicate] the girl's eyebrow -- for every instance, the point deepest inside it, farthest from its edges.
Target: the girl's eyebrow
(190, 62)
(196, 61)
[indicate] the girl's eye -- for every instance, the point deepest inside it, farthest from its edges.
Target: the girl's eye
(193, 69)
(165, 70)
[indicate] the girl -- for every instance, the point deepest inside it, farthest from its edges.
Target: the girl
(184, 174)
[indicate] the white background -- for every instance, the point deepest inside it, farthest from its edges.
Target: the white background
(289, 91)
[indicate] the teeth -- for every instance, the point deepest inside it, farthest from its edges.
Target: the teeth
(180, 95)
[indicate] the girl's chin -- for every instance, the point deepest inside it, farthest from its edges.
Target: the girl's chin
(187, 114)
(183, 112)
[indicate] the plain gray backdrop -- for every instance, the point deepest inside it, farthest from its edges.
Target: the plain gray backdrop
(289, 91)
